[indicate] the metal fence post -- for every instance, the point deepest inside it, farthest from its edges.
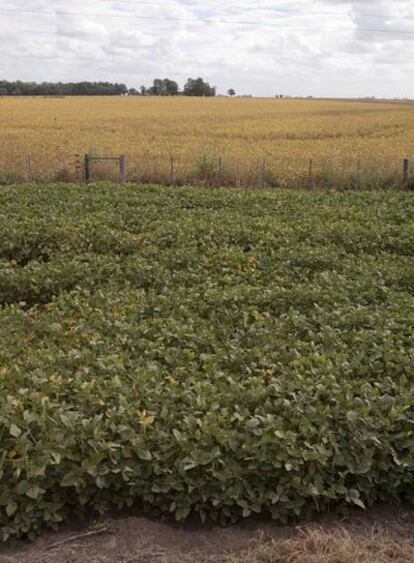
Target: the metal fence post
(122, 169)
(263, 173)
(310, 174)
(220, 171)
(358, 182)
(29, 168)
(171, 170)
(87, 169)
(77, 167)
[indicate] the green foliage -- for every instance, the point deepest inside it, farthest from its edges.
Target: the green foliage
(198, 87)
(164, 87)
(218, 352)
(19, 88)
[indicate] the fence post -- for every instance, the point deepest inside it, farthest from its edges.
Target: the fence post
(29, 168)
(77, 167)
(406, 173)
(358, 180)
(263, 173)
(171, 170)
(87, 169)
(310, 174)
(220, 171)
(122, 169)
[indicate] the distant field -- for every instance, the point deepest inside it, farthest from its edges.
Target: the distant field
(197, 132)
(220, 352)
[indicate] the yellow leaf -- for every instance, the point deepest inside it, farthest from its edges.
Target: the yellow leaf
(145, 419)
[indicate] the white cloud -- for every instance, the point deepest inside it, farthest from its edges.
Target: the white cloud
(318, 47)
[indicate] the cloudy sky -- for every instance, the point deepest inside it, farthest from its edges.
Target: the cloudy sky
(334, 48)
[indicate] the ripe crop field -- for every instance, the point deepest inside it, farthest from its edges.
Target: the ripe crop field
(220, 353)
(197, 132)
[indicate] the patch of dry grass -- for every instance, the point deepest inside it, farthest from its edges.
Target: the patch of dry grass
(319, 545)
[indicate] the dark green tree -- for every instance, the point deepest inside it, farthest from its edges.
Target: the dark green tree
(19, 88)
(198, 87)
(164, 87)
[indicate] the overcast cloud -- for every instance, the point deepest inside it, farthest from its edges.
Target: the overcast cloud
(306, 47)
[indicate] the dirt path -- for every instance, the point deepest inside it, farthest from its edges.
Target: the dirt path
(379, 536)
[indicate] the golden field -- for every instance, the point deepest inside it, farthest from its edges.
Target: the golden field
(198, 131)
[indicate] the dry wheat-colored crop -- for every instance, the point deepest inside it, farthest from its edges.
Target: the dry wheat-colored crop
(234, 141)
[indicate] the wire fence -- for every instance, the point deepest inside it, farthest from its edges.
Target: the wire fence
(213, 171)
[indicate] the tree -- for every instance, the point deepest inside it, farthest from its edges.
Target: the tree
(170, 87)
(231, 92)
(197, 87)
(164, 87)
(19, 88)
(156, 88)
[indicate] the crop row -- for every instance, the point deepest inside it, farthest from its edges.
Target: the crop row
(220, 353)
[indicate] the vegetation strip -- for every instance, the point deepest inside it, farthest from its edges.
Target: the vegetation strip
(209, 141)
(220, 353)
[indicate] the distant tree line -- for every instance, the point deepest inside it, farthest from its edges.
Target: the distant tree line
(167, 87)
(19, 88)
(160, 87)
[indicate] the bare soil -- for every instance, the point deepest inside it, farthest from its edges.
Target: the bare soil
(382, 535)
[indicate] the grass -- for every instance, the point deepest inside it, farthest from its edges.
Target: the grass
(321, 545)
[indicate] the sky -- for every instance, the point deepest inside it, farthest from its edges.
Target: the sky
(321, 48)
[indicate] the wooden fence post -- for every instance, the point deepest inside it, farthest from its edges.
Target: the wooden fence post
(29, 168)
(310, 174)
(406, 173)
(172, 171)
(87, 169)
(122, 169)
